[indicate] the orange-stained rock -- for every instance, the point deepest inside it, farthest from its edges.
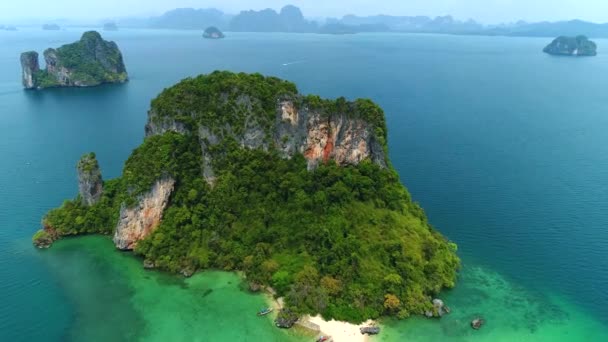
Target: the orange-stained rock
(138, 222)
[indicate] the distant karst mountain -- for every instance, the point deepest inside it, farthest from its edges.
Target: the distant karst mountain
(51, 27)
(290, 19)
(111, 26)
(191, 19)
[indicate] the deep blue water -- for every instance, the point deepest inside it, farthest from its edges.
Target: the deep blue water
(504, 146)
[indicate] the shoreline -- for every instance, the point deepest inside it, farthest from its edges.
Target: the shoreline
(338, 330)
(341, 331)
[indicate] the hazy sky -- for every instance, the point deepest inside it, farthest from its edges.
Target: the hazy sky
(488, 11)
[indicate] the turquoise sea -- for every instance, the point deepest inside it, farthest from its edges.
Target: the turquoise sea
(504, 146)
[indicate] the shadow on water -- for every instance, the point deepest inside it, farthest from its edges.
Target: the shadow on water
(101, 92)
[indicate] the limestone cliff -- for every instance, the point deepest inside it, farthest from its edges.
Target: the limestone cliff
(136, 223)
(30, 68)
(299, 125)
(89, 62)
(321, 138)
(90, 183)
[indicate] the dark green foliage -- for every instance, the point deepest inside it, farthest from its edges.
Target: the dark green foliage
(90, 61)
(88, 163)
(45, 80)
(235, 96)
(74, 218)
(347, 242)
(579, 46)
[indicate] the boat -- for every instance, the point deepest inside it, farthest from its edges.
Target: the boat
(265, 311)
(324, 339)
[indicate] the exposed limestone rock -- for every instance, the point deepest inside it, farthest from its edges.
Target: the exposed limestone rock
(30, 67)
(91, 61)
(90, 183)
(138, 222)
(157, 125)
(439, 309)
(320, 137)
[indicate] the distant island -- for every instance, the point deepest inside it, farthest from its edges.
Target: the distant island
(51, 27)
(571, 46)
(213, 32)
(241, 172)
(89, 62)
(110, 27)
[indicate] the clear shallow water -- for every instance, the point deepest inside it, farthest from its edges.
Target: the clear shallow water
(503, 146)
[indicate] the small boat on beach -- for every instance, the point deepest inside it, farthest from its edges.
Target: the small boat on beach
(324, 339)
(265, 311)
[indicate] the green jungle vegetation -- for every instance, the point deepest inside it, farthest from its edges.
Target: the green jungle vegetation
(346, 242)
(90, 61)
(569, 45)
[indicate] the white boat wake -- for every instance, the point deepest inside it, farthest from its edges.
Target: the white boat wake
(292, 63)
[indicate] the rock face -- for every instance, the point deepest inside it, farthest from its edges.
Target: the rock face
(140, 221)
(571, 46)
(439, 309)
(322, 138)
(319, 136)
(90, 183)
(89, 62)
(30, 69)
(477, 323)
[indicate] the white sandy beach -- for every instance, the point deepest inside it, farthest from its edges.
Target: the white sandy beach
(341, 331)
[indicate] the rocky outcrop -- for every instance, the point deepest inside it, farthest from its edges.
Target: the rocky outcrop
(477, 323)
(158, 125)
(89, 62)
(286, 319)
(136, 223)
(571, 46)
(30, 68)
(45, 237)
(439, 309)
(213, 32)
(90, 183)
(322, 137)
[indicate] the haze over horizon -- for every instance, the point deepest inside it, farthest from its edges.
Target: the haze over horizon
(485, 11)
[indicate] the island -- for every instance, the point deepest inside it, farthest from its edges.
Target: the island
(110, 26)
(240, 172)
(213, 32)
(51, 27)
(571, 46)
(89, 62)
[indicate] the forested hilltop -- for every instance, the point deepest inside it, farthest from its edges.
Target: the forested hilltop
(240, 172)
